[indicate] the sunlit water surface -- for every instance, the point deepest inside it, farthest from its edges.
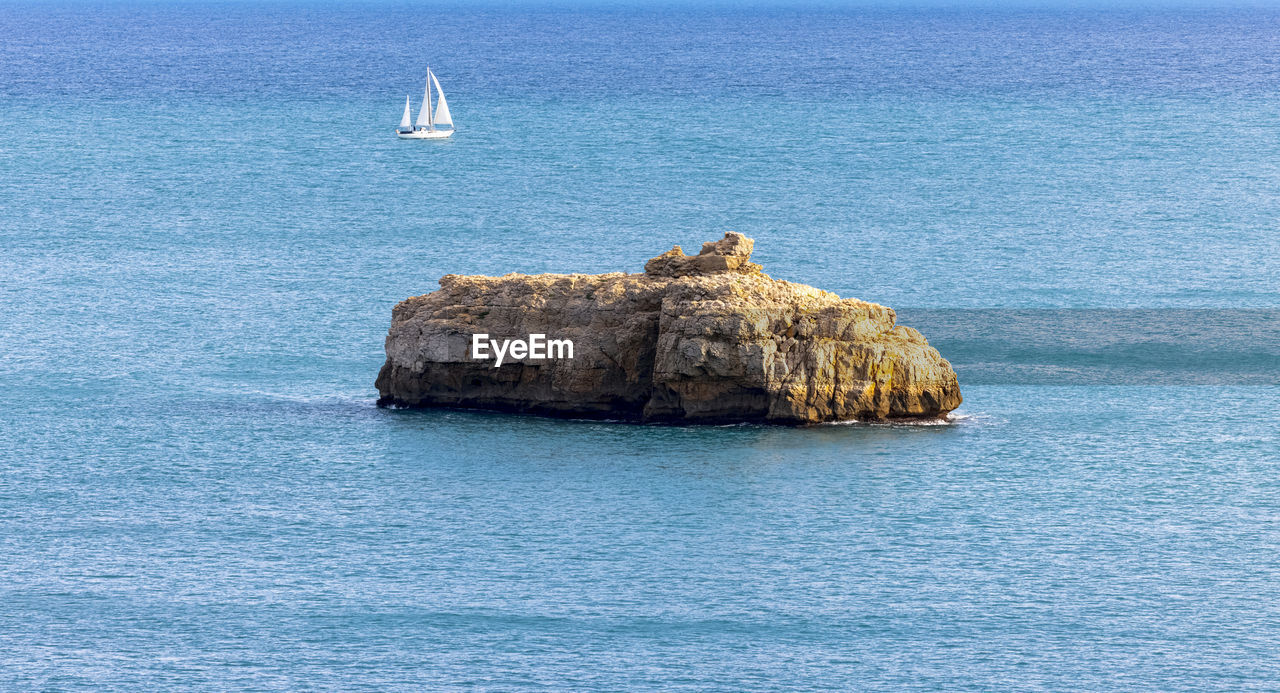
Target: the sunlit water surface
(205, 222)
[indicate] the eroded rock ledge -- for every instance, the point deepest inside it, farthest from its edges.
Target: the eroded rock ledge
(702, 338)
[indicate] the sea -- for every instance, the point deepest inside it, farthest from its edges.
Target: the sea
(205, 221)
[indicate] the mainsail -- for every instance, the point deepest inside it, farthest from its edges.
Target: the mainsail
(406, 120)
(442, 111)
(424, 116)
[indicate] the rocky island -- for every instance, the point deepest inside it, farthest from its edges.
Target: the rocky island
(701, 338)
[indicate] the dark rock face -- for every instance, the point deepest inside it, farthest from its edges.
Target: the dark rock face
(696, 338)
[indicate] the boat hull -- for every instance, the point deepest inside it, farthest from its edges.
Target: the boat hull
(424, 134)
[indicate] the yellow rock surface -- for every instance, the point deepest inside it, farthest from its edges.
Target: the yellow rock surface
(707, 338)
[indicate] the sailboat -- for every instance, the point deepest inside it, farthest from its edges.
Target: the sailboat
(425, 128)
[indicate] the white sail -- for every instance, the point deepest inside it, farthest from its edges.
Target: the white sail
(442, 111)
(424, 115)
(406, 120)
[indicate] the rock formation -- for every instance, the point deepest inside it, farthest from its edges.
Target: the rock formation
(702, 338)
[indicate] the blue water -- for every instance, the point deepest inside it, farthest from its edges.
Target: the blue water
(205, 221)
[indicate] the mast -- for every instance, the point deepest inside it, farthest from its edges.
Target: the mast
(424, 116)
(431, 119)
